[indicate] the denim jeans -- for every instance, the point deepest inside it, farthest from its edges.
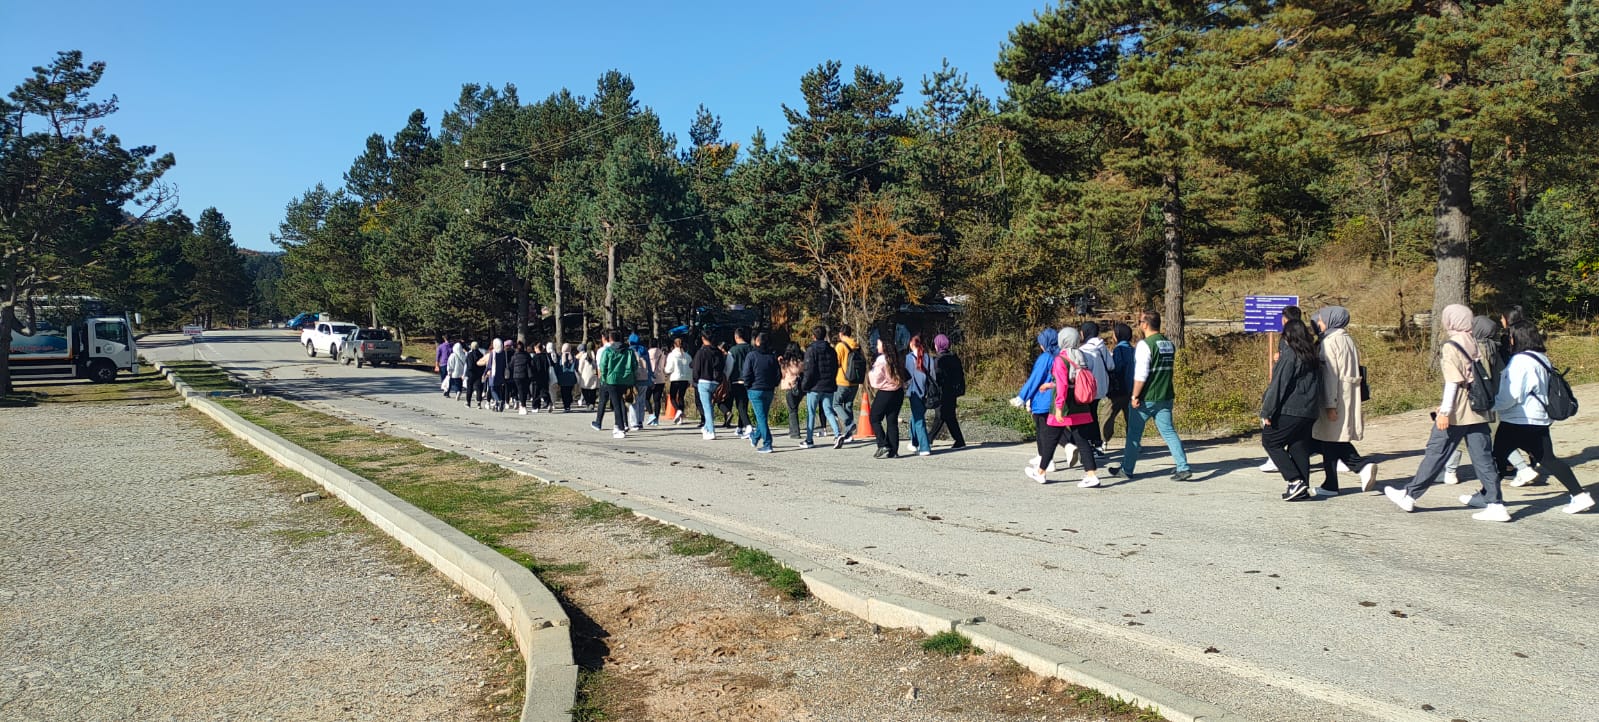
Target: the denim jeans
(919, 424)
(844, 408)
(1137, 417)
(641, 403)
(706, 389)
(823, 401)
(1479, 445)
(760, 405)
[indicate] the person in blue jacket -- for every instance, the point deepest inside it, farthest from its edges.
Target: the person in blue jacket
(1038, 400)
(1121, 379)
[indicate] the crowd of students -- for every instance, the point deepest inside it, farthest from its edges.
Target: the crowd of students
(1313, 403)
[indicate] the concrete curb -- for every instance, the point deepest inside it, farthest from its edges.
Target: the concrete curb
(528, 609)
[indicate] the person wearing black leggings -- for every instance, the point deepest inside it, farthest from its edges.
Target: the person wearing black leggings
(1524, 419)
(1289, 408)
(888, 377)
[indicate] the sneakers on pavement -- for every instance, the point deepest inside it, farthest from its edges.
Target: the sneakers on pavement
(1450, 477)
(1399, 498)
(806, 444)
(1270, 467)
(924, 453)
(1297, 489)
(838, 443)
(1183, 475)
(1579, 503)
(708, 435)
(1494, 512)
(1368, 477)
(1090, 481)
(1344, 468)
(764, 450)
(1323, 491)
(1474, 500)
(1035, 474)
(1033, 463)
(1524, 476)
(595, 425)
(523, 411)
(618, 434)
(1072, 455)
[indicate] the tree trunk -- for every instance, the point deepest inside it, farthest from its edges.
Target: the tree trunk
(521, 309)
(6, 307)
(655, 323)
(610, 281)
(560, 309)
(1452, 231)
(1171, 214)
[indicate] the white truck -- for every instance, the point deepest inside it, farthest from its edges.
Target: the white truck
(324, 337)
(93, 347)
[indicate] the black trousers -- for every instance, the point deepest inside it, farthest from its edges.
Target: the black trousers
(885, 419)
(944, 416)
(739, 394)
(1534, 442)
(474, 387)
(1118, 405)
(657, 399)
(590, 396)
(566, 398)
(1054, 437)
(677, 390)
(613, 395)
(796, 399)
(1287, 442)
(1333, 452)
(1091, 433)
(522, 386)
(541, 392)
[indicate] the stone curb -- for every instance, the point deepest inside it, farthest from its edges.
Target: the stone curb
(528, 609)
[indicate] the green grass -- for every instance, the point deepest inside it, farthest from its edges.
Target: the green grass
(690, 544)
(762, 566)
(949, 644)
(598, 511)
(142, 387)
(592, 695)
(203, 376)
(1093, 699)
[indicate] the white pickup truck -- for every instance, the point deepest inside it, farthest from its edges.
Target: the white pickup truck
(324, 337)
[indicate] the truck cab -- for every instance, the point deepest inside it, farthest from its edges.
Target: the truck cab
(93, 348)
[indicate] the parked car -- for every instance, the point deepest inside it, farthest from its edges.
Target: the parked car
(370, 346)
(295, 323)
(325, 336)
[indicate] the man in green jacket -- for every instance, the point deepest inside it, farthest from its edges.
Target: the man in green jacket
(618, 367)
(1154, 360)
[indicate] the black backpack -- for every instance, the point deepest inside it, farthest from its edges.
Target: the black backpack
(1559, 403)
(855, 366)
(1482, 388)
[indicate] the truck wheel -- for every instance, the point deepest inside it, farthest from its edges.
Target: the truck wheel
(333, 352)
(347, 360)
(102, 371)
(310, 350)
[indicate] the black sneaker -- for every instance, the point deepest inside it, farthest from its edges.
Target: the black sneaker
(1183, 475)
(881, 452)
(838, 443)
(1296, 490)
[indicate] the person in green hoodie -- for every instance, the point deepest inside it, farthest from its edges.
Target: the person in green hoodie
(618, 368)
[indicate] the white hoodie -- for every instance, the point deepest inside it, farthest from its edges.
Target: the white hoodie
(1099, 362)
(1523, 389)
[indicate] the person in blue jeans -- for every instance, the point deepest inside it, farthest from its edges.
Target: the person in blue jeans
(761, 374)
(920, 365)
(819, 381)
(708, 374)
(1154, 360)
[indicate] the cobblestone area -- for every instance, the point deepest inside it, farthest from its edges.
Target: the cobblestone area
(142, 576)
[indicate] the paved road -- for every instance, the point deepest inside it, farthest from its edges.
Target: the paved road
(142, 577)
(1342, 609)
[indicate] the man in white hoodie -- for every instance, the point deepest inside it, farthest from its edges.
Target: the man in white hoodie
(1100, 362)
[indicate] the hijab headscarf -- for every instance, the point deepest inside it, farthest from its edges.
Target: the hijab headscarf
(1048, 339)
(1069, 339)
(498, 345)
(1485, 331)
(1457, 320)
(941, 344)
(1335, 317)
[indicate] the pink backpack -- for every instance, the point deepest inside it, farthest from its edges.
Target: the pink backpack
(1079, 381)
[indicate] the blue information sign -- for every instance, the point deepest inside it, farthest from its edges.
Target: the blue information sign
(1264, 314)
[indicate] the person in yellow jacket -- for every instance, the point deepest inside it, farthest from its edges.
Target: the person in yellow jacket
(848, 381)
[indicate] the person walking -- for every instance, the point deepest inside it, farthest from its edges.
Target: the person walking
(679, 374)
(474, 375)
(919, 363)
(1290, 408)
(1342, 421)
(1522, 403)
(566, 375)
(493, 365)
(1486, 332)
(658, 377)
(1154, 361)
(521, 375)
(1100, 363)
(618, 374)
(887, 378)
(1456, 421)
(708, 374)
(455, 366)
(643, 380)
(760, 376)
(793, 361)
(588, 376)
(819, 381)
(951, 379)
(738, 393)
(1065, 424)
(1038, 397)
(441, 361)
(1289, 313)
(852, 368)
(1121, 379)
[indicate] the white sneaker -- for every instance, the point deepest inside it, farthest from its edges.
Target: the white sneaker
(1344, 468)
(523, 412)
(1036, 475)
(1494, 512)
(1033, 464)
(618, 434)
(806, 444)
(1368, 477)
(1451, 477)
(924, 453)
(1072, 456)
(1524, 476)
(1269, 467)
(1400, 498)
(1088, 482)
(708, 435)
(1579, 503)
(1473, 500)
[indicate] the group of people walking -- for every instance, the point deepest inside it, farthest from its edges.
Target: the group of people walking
(638, 381)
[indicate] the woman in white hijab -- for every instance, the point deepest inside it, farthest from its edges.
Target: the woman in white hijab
(455, 370)
(1456, 421)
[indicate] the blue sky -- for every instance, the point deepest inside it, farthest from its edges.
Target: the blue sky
(260, 101)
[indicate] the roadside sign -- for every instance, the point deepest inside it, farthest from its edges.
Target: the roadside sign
(193, 330)
(1264, 314)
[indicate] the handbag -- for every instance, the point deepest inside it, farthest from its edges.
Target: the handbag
(719, 396)
(1365, 388)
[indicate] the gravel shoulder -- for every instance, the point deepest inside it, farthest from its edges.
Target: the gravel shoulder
(152, 570)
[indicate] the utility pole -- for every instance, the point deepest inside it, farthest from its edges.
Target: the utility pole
(560, 309)
(610, 276)
(999, 153)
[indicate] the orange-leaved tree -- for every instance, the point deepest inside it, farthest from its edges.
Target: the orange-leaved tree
(878, 259)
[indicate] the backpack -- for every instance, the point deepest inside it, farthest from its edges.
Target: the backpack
(933, 396)
(1084, 387)
(1558, 400)
(1480, 391)
(855, 366)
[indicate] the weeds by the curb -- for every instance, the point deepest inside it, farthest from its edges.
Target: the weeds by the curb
(591, 694)
(1098, 701)
(949, 644)
(761, 565)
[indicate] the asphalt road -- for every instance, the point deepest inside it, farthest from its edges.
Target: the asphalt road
(1338, 609)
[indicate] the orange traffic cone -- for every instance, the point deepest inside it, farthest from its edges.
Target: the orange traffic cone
(863, 430)
(671, 409)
